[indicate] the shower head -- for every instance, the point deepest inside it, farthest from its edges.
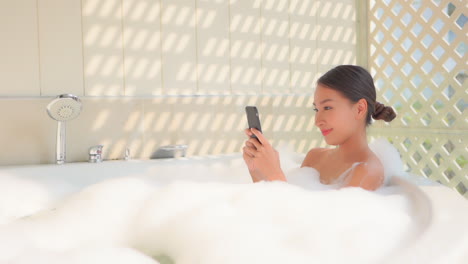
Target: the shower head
(64, 107)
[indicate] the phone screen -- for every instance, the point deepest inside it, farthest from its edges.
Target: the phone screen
(253, 118)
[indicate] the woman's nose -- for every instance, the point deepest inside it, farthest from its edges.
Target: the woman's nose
(318, 120)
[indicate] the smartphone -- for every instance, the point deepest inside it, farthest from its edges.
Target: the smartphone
(253, 118)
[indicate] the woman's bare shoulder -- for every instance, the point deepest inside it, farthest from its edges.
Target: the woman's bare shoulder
(313, 156)
(368, 175)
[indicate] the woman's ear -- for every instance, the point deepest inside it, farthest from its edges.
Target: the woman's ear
(361, 106)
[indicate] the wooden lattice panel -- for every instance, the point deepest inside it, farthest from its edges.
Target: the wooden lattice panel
(418, 60)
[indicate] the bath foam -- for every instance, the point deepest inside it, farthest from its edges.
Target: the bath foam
(13, 203)
(389, 157)
(309, 178)
(210, 214)
(270, 222)
(86, 255)
(192, 222)
(100, 215)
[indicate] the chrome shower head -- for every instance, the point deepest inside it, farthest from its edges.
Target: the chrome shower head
(64, 107)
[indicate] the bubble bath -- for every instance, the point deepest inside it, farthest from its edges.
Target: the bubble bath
(202, 210)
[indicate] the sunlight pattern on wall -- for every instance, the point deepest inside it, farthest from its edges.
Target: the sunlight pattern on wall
(267, 53)
(202, 47)
(158, 72)
(142, 47)
(102, 47)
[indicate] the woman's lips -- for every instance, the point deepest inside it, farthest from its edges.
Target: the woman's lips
(326, 131)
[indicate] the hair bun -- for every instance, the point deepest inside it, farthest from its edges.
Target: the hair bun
(383, 112)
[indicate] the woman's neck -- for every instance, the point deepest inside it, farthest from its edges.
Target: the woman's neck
(354, 148)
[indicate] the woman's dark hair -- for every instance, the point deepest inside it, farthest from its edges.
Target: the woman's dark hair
(356, 83)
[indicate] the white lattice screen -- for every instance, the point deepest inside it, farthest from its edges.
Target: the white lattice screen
(418, 59)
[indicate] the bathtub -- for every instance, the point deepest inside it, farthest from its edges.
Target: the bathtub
(86, 212)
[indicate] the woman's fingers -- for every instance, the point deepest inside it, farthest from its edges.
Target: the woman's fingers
(260, 136)
(254, 147)
(248, 132)
(249, 144)
(256, 144)
(249, 151)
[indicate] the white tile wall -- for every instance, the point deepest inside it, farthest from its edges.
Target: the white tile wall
(275, 46)
(303, 41)
(194, 65)
(179, 46)
(246, 56)
(209, 125)
(103, 47)
(336, 33)
(61, 49)
(19, 48)
(142, 47)
(213, 66)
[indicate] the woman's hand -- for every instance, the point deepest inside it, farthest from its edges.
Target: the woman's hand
(261, 158)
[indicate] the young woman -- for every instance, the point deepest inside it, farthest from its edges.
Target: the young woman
(345, 103)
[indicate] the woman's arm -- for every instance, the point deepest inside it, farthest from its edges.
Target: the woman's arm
(261, 158)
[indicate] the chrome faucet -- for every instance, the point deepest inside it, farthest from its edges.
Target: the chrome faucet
(95, 153)
(170, 151)
(127, 154)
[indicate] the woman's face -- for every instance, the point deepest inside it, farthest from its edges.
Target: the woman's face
(335, 115)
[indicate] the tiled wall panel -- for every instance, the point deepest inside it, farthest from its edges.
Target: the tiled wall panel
(303, 43)
(103, 47)
(153, 73)
(19, 49)
(246, 56)
(179, 46)
(275, 46)
(61, 47)
(142, 47)
(213, 47)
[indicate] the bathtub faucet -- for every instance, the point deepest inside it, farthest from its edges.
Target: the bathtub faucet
(170, 151)
(95, 154)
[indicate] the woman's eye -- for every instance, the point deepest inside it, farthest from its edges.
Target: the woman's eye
(315, 109)
(327, 108)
